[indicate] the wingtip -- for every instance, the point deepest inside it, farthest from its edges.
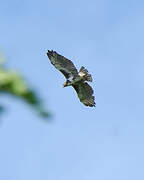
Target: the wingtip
(89, 104)
(50, 53)
(92, 105)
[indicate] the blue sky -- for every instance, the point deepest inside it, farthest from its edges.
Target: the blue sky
(106, 142)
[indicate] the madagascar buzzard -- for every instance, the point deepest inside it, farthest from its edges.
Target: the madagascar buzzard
(74, 78)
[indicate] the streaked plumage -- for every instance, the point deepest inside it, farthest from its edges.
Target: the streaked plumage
(74, 78)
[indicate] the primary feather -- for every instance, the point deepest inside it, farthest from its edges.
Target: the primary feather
(85, 93)
(74, 78)
(63, 64)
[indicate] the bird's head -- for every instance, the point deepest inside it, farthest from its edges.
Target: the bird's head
(67, 83)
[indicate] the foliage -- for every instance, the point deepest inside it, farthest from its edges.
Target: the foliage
(12, 83)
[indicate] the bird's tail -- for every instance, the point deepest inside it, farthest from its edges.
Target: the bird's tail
(84, 72)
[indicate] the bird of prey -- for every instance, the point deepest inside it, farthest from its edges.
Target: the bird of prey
(78, 80)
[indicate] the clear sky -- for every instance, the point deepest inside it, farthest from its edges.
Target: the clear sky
(79, 143)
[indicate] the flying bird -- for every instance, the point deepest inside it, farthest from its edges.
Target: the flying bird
(78, 80)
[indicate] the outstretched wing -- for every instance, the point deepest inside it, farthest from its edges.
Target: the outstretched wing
(63, 64)
(85, 93)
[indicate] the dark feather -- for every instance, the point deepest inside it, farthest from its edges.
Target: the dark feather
(63, 64)
(65, 74)
(85, 93)
(67, 68)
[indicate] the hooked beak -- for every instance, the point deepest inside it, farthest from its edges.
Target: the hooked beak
(65, 84)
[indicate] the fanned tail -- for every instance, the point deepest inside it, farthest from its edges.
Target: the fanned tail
(84, 72)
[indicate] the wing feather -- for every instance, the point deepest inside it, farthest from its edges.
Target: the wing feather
(64, 65)
(85, 93)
